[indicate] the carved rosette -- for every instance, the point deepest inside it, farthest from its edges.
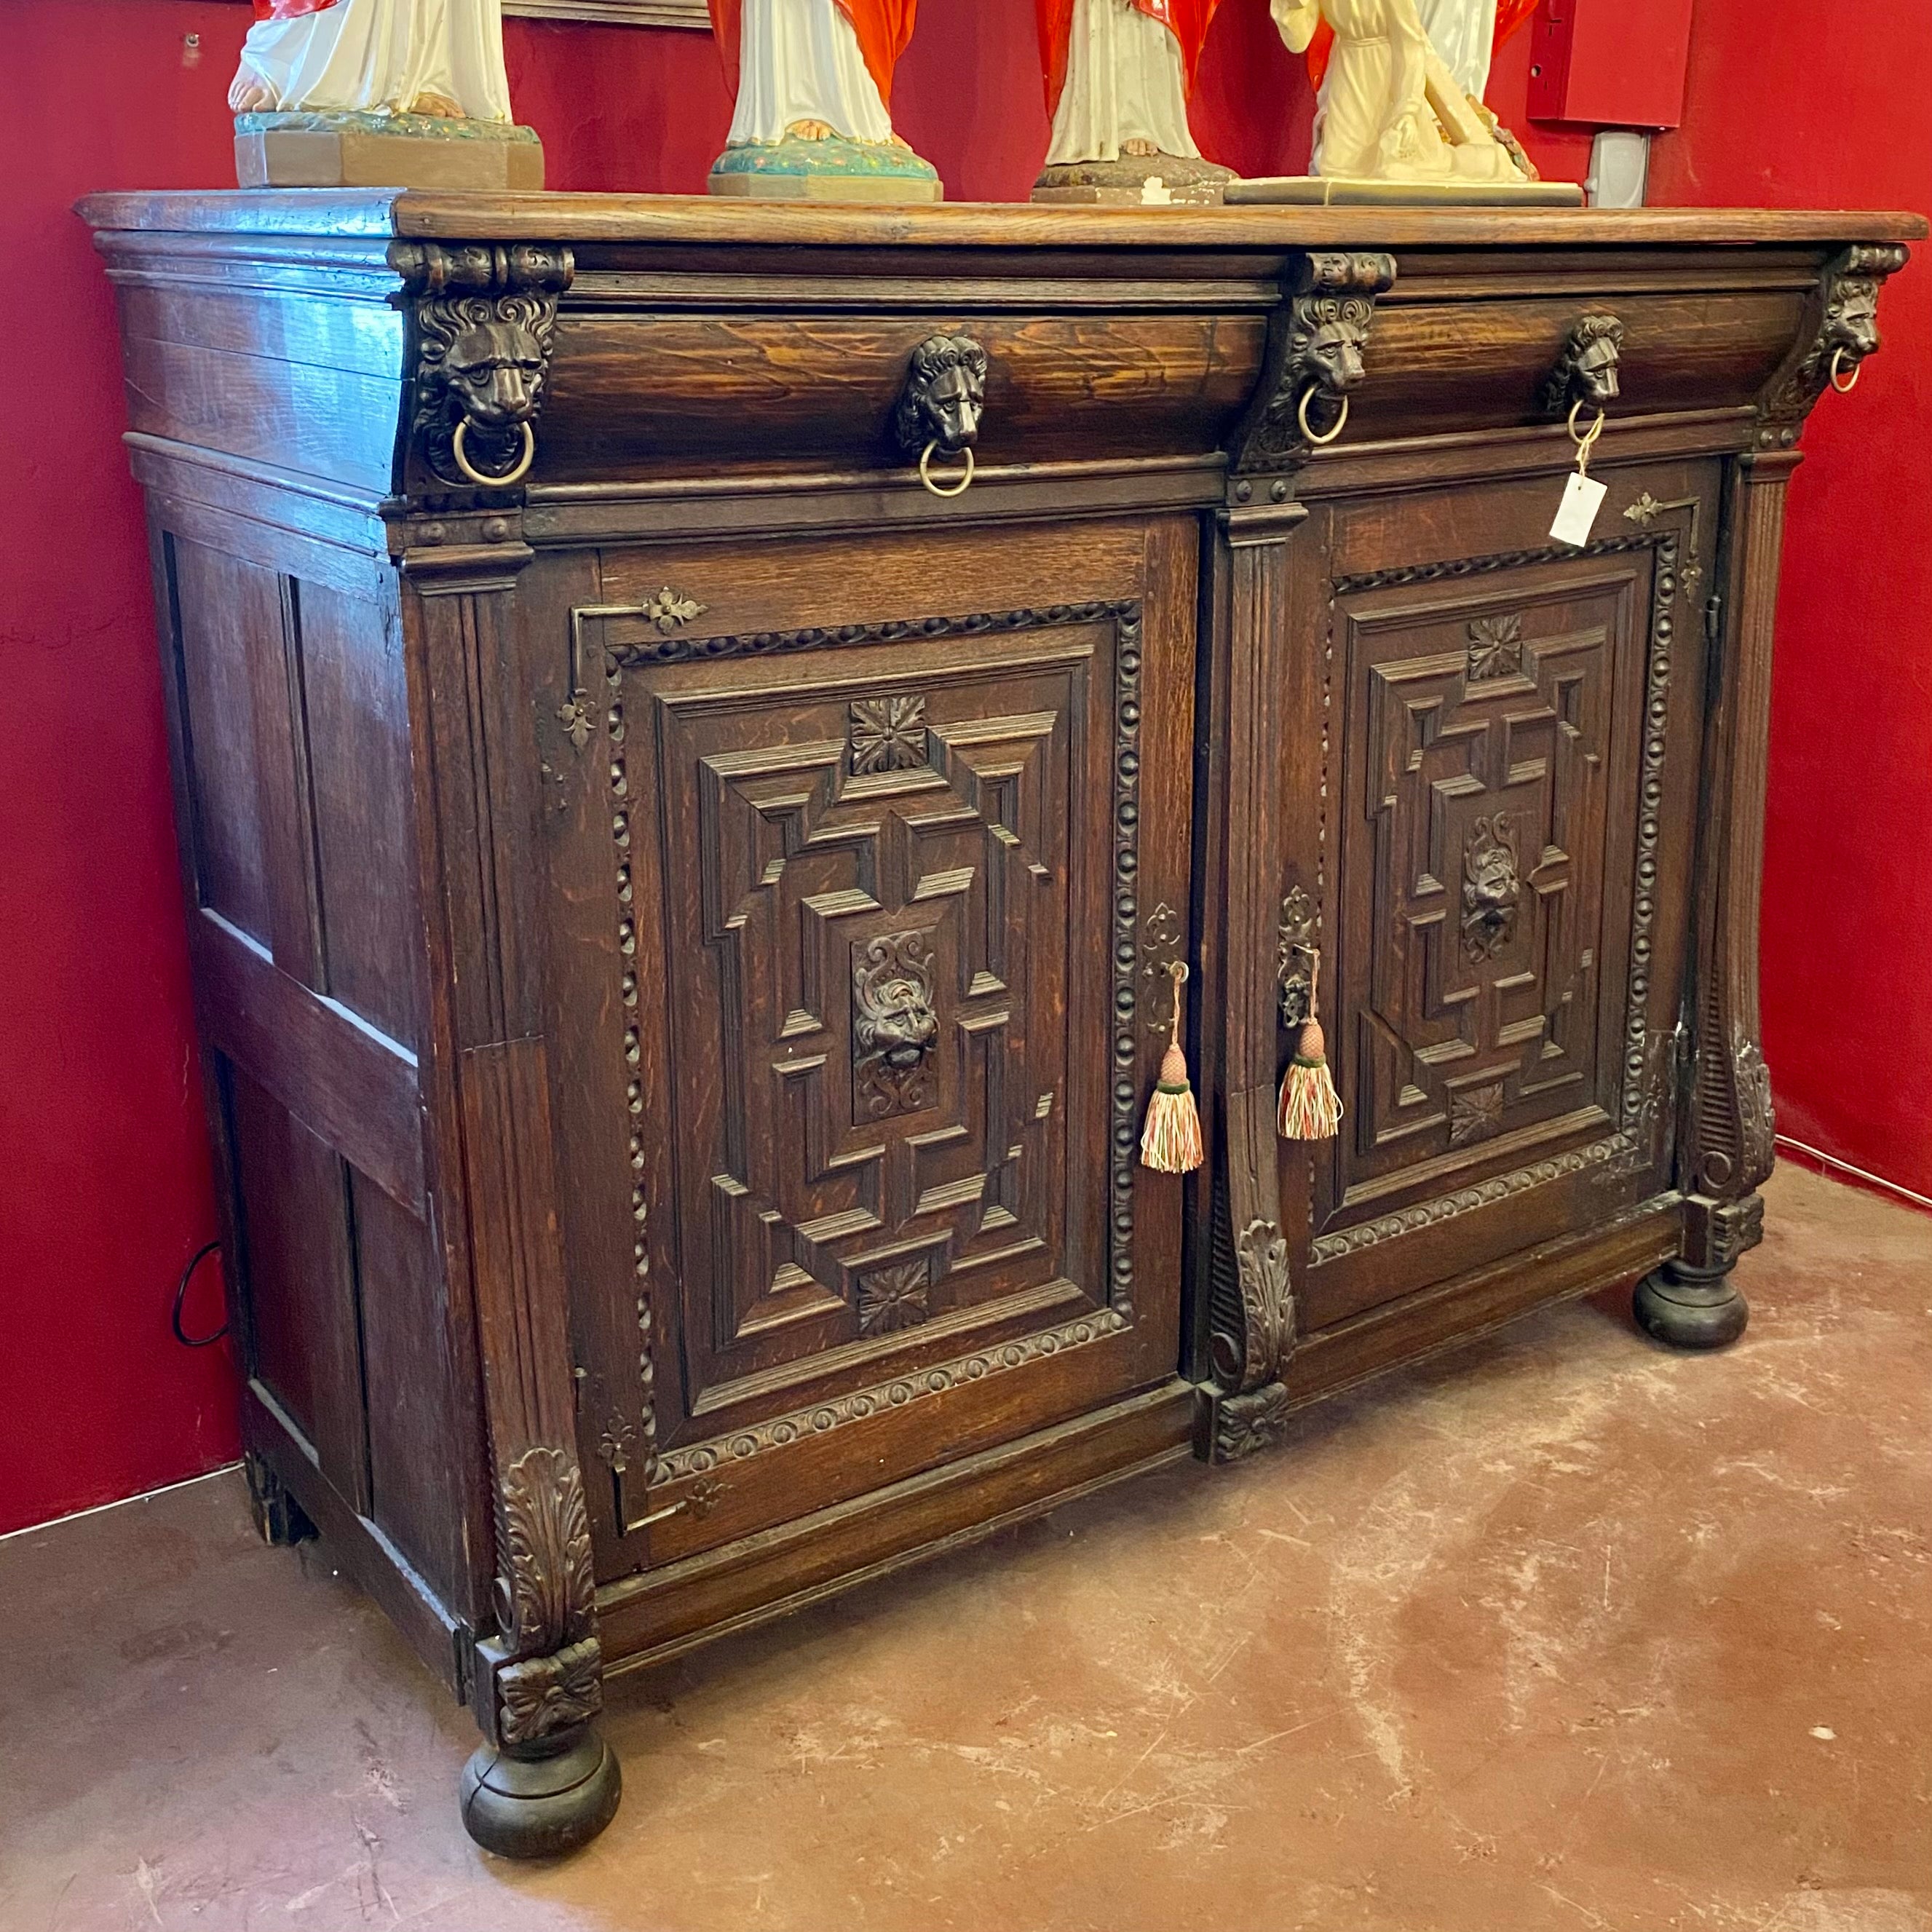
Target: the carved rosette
(894, 1298)
(1846, 332)
(481, 319)
(1316, 342)
(1495, 648)
(888, 734)
(546, 1599)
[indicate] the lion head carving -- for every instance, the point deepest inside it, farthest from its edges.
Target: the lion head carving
(1329, 344)
(1587, 370)
(483, 362)
(944, 396)
(1851, 323)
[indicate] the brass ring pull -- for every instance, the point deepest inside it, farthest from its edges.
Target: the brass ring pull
(959, 489)
(1587, 442)
(1840, 356)
(476, 476)
(1327, 437)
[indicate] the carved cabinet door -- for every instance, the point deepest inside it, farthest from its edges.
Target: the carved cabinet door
(1516, 728)
(887, 827)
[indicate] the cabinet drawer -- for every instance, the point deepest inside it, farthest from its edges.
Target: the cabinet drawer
(885, 825)
(1513, 744)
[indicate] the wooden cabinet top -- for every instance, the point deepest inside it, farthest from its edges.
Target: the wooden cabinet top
(669, 344)
(388, 214)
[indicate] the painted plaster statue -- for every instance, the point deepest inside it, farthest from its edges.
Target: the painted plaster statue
(1118, 75)
(812, 80)
(367, 93)
(439, 58)
(1390, 110)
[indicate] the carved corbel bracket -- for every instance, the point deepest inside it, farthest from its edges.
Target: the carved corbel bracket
(1586, 374)
(482, 317)
(1251, 1341)
(547, 1660)
(1317, 340)
(1844, 331)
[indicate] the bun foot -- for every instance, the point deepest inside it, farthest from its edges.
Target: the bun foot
(540, 1801)
(1690, 1307)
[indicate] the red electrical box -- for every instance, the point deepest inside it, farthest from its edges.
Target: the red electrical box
(1609, 63)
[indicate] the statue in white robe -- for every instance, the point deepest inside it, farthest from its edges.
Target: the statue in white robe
(1118, 74)
(801, 74)
(387, 57)
(1126, 90)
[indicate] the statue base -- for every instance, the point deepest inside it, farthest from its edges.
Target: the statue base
(1352, 191)
(1140, 181)
(833, 169)
(353, 150)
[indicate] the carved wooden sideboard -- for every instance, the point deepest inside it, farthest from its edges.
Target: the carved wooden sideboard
(682, 907)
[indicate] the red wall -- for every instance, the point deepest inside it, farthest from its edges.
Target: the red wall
(1836, 117)
(104, 1174)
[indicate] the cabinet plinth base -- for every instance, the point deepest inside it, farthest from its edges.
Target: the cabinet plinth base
(531, 1801)
(1690, 1307)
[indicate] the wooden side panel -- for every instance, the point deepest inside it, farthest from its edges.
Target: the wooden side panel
(299, 1266)
(290, 711)
(417, 1478)
(230, 614)
(357, 706)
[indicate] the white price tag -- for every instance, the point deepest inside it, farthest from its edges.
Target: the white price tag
(1582, 498)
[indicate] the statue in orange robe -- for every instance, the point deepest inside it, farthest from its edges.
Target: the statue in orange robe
(1118, 73)
(811, 70)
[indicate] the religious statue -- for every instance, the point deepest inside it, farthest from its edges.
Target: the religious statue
(1118, 74)
(409, 93)
(812, 79)
(1391, 110)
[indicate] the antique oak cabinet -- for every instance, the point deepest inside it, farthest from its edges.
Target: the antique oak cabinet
(700, 730)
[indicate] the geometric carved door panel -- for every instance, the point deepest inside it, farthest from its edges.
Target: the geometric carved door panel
(1499, 834)
(880, 930)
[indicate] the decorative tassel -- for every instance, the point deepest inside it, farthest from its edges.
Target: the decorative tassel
(1170, 1141)
(1311, 1109)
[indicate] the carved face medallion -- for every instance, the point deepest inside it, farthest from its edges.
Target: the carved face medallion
(894, 1026)
(1492, 890)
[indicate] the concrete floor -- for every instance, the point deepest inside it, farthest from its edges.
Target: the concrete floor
(1559, 1631)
